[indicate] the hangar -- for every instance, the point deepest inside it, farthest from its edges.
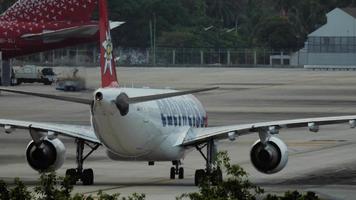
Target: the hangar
(334, 43)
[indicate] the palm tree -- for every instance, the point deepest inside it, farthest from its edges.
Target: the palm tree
(5, 4)
(307, 15)
(284, 6)
(225, 11)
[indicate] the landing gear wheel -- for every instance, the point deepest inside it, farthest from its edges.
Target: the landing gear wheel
(199, 177)
(88, 177)
(181, 173)
(173, 173)
(216, 177)
(71, 174)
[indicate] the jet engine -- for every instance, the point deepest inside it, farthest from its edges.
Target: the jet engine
(47, 156)
(271, 157)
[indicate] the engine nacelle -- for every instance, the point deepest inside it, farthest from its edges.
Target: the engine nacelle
(270, 158)
(49, 156)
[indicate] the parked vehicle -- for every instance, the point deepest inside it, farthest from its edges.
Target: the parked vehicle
(32, 74)
(70, 85)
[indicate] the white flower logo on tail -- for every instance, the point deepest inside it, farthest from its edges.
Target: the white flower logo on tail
(107, 44)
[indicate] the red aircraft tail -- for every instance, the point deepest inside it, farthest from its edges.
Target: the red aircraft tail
(107, 60)
(50, 10)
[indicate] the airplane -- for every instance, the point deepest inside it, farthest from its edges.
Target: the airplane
(142, 124)
(31, 26)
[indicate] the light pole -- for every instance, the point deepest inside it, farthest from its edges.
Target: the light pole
(153, 37)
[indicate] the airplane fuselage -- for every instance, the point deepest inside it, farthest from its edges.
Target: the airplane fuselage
(151, 131)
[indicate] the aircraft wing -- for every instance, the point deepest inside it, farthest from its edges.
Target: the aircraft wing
(83, 31)
(80, 132)
(199, 135)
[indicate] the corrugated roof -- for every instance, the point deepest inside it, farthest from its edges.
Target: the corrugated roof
(350, 10)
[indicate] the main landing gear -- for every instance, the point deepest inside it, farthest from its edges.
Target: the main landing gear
(85, 175)
(176, 170)
(215, 175)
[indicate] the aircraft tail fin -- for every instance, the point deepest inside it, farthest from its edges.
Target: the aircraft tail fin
(107, 60)
(50, 10)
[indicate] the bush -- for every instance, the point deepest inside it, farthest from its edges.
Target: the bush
(4, 192)
(237, 186)
(52, 187)
(293, 196)
(20, 191)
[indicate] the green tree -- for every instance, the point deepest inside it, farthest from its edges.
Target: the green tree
(4, 192)
(277, 33)
(52, 187)
(20, 191)
(306, 16)
(225, 11)
(4, 4)
(138, 14)
(331, 4)
(237, 186)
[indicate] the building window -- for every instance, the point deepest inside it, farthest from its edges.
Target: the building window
(331, 45)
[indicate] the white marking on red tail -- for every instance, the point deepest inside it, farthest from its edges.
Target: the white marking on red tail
(107, 61)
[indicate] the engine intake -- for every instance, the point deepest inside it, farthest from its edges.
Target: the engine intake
(271, 157)
(121, 102)
(49, 156)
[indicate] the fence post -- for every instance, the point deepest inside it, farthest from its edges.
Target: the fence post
(201, 57)
(94, 56)
(53, 57)
(77, 56)
(5, 72)
(68, 55)
(228, 57)
(148, 55)
(281, 57)
(255, 57)
(41, 57)
(174, 56)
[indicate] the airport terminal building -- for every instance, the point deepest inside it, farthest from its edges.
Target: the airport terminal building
(332, 44)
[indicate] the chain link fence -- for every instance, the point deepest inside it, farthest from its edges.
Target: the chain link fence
(160, 57)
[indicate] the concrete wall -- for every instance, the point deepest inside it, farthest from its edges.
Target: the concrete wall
(299, 58)
(304, 58)
(331, 58)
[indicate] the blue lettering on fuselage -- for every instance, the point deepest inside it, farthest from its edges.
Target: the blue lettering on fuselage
(181, 111)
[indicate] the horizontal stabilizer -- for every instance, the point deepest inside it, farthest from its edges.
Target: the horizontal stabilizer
(141, 99)
(84, 31)
(50, 96)
(132, 100)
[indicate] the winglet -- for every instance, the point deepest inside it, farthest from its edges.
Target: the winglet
(115, 24)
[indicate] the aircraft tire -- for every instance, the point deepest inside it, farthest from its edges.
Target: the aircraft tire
(199, 177)
(71, 174)
(173, 173)
(181, 173)
(88, 177)
(217, 177)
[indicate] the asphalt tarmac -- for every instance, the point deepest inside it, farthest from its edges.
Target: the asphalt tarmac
(323, 162)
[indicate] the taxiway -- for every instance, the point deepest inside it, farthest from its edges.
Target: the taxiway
(323, 162)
